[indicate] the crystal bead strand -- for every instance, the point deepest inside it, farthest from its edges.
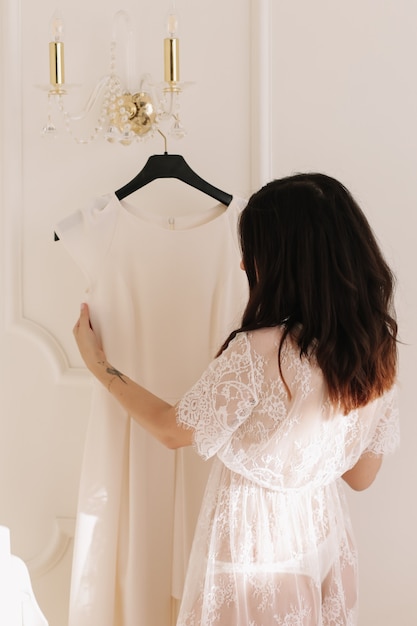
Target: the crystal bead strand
(49, 130)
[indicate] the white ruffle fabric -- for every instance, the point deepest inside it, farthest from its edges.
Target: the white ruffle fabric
(274, 543)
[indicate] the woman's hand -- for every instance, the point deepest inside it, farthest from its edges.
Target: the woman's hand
(152, 413)
(88, 344)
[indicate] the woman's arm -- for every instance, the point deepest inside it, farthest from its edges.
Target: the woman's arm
(362, 475)
(152, 413)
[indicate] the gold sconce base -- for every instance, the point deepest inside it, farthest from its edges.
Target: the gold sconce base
(136, 113)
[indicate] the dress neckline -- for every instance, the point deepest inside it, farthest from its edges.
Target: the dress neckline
(175, 223)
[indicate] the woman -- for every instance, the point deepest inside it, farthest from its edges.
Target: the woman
(301, 396)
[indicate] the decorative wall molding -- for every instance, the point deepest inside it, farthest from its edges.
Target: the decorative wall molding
(55, 550)
(12, 166)
(12, 205)
(12, 199)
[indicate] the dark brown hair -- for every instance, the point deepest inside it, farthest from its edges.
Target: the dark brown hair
(315, 268)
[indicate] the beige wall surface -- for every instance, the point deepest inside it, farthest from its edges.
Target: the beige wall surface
(279, 87)
(344, 102)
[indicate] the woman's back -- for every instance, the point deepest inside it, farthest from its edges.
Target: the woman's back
(274, 538)
(296, 439)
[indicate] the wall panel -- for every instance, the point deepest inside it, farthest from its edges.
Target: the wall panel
(44, 389)
(344, 103)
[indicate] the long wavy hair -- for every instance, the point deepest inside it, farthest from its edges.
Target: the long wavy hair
(315, 269)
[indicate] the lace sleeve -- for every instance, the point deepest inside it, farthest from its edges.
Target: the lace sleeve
(221, 400)
(386, 435)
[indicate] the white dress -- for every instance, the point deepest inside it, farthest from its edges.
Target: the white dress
(274, 545)
(163, 295)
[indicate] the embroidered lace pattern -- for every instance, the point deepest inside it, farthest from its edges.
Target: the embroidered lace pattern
(273, 544)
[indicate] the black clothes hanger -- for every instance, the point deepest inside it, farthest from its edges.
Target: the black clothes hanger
(171, 166)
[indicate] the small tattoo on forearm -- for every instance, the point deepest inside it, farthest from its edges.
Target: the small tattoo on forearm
(115, 372)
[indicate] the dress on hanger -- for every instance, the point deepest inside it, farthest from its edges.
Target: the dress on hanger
(163, 295)
(274, 544)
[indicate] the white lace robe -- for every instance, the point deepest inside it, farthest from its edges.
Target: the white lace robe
(273, 544)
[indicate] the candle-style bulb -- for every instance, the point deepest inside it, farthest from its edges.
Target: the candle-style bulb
(172, 24)
(57, 27)
(171, 47)
(56, 54)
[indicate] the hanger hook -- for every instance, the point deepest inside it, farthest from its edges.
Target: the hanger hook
(165, 140)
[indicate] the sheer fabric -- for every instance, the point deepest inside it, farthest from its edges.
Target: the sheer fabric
(274, 543)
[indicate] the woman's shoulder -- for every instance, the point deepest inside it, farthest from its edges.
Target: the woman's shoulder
(265, 341)
(263, 345)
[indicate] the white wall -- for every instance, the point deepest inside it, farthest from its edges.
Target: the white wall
(345, 103)
(342, 99)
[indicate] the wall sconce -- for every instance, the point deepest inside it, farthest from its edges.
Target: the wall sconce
(126, 113)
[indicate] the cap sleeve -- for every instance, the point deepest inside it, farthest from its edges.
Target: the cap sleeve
(221, 400)
(87, 234)
(385, 437)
